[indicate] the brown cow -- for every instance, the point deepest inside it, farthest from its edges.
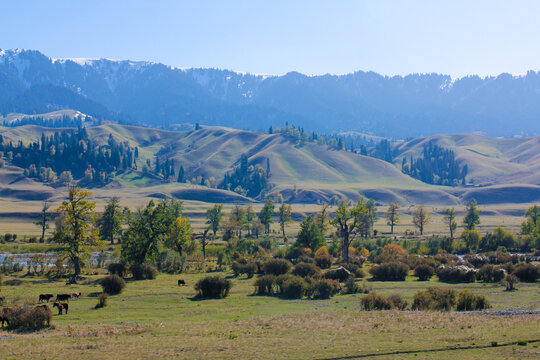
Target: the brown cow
(45, 297)
(4, 313)
(61, 306)
(63, 297)
(181, 282)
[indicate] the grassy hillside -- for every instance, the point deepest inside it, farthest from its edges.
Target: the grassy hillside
(301, 172)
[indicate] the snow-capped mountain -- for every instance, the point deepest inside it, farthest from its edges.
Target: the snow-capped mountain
(158, 95)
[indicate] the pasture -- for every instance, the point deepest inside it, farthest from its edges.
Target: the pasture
(158, 319)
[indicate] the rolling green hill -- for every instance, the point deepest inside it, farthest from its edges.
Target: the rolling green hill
(505, 170)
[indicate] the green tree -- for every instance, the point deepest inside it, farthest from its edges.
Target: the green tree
(213, 216)
(76, 231)
(392, 216)
(472, 239)
(266, 214)
(322, 219)
(449, 219)
(250, 216)
(180, 234)
(310, 235)
(347, 221)
(372, 213)
(149, 226)
(530, 228)
(45, 217)
(285, 218)
(110, 224)
(421, 218)
(533, 215)
(472, 218)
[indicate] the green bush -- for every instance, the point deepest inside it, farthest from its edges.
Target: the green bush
(354, 269)
(527, 272)
(456, 274)
(248, 268)
(293, 287)
(276, 267)
(511, 281)
(324, 261)
(306, 270)
(424, 272)
(324, 289)
(213, 287)
(397, 302)
(28, 318)
(118, 269)
(434, 299)
(265, 285)
(490, 274)
(467, 301)
(112, 284)
(375, 301)
(102, 300)
(340, 274)
(143, 271)
(351, 287)
(392, 271)
(171, 262)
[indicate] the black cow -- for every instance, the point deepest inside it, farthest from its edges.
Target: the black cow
(63, 297)
(45, 297)
(181, 282)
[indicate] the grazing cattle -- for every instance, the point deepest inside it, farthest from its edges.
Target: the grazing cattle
(181, 282)
(61, 306)
(63, 297)
(45, 297)
(4, 313)
(76, 295)
(2, 299)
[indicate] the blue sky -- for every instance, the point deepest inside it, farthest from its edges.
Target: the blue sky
(273, 37)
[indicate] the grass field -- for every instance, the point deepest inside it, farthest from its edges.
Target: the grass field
(157, 319)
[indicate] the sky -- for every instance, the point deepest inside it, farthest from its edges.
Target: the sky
(274, 37)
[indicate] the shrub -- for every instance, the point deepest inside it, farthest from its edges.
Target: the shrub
(143, 271)
(306, 259)
(527, 272)
(248, 268)
(324, 289)
(456, 274)
(375, 301)
(324, 261)
(102, 300)
(393, 271)
(118, 269)
(171, 262)
(112, 284)
(276, 267)
(29, 318)
(213, 287)
(265, 285)
(398, 302)
(511, 281)
(424, 272)
(490, 274)
(306, 270)
(468, 301)
(351, 287)
(340, 274)
(293, 288)
(355, 270)
(434, 299)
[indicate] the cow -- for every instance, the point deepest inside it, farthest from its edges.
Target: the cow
(2, 299)
(45, 297)
(76, 295)
(63, 297)
(181, 282)
(4, 314)
(61, 306)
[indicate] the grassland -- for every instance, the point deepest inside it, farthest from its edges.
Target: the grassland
(157, 319)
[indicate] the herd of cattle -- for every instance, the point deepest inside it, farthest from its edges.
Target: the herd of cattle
(58, 303)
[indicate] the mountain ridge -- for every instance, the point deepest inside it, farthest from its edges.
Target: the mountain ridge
(159, 95)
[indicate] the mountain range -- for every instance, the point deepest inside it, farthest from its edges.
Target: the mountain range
(156, 95)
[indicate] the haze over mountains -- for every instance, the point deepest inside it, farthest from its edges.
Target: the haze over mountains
(158, 95)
